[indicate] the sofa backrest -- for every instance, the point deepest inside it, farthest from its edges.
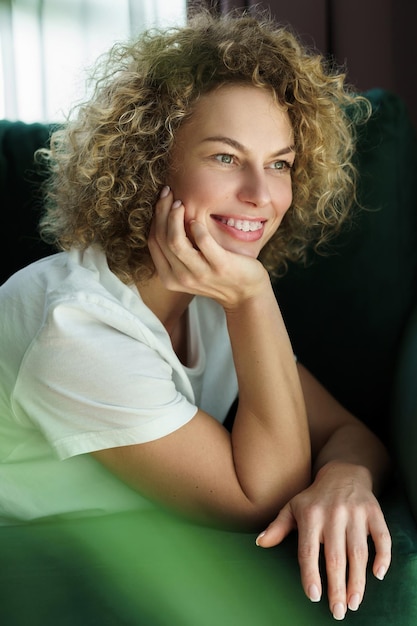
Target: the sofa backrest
(20, 197)
(346, 312)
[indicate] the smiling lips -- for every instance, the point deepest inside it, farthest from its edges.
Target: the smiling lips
(245, 226)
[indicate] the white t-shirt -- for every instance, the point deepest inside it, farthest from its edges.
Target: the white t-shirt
(85, 365)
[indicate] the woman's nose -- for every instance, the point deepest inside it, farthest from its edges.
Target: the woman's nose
(254, 187)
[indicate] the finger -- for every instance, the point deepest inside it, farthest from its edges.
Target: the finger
(165, 260)
(168, 228)
(213, 253)
(381, 537)
(159, 260)
(174, 255)
(309, 545)
(158, 228)
(179, 245)
(160, 221)
(357, 554)
(157, 232)
(336, 562)
(163, 203)
(277, 530)
(189, 265)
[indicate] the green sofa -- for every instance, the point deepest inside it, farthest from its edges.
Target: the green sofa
(352, 318)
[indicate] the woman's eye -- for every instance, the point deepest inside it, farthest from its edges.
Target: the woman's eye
(227, 159)
(281, 165)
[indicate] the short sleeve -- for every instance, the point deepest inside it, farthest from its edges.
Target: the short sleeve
(93, 380)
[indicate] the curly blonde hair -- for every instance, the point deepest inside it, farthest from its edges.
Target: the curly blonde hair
(108, 164)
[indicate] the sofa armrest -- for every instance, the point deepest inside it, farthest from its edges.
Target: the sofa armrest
(404, 422)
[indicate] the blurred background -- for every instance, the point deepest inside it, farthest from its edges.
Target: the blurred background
(46, 46)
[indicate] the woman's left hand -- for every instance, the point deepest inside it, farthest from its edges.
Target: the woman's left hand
(339, 511)
(191, 261)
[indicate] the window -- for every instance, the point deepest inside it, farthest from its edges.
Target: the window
(46, 46)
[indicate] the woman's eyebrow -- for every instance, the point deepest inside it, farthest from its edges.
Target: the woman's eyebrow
(233, 143)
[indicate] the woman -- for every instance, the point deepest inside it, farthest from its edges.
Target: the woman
(208, 156)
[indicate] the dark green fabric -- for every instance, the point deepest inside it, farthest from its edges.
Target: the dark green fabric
(20, 200)
(347, 311)
(149, 569)
(404, 428)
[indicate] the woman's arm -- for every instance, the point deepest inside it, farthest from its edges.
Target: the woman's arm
(240, 479)
(337, 435)
(339, 510)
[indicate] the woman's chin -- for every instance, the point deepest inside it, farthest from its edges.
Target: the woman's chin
(244, 250)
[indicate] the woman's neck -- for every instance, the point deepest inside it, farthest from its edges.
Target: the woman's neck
(170, 307)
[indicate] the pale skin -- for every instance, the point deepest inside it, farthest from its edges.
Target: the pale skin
(229, 188)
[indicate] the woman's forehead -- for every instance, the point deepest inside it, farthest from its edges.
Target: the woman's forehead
(238, 111)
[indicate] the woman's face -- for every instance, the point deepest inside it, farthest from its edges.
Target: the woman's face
(231, 167)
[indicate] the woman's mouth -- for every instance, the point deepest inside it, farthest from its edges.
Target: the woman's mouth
(245, 224)
(249, 229)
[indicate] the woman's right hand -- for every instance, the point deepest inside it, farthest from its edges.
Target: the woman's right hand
(197, 264)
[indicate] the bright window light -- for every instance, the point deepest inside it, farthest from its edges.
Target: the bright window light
(47, 47)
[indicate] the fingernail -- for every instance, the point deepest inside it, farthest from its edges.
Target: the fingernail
(262, 534)
(381, 573)
(314, 593)
(176, 204)
(354, 602)
(165, 191)
(338, 611)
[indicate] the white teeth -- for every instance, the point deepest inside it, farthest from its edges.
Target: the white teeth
(245, 225)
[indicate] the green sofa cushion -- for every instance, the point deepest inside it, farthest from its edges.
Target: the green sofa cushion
(148, 569)
(404, 426)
